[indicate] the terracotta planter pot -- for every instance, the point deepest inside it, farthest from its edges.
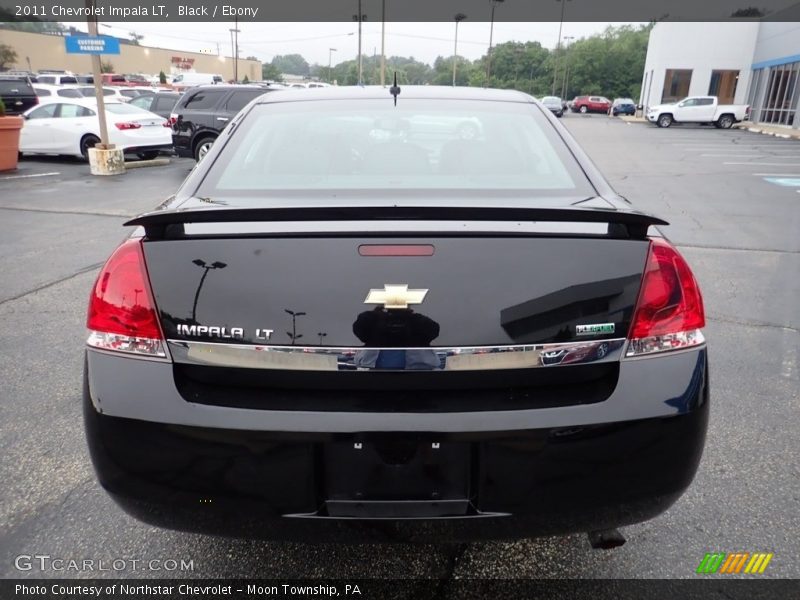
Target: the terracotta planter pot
(9, 142)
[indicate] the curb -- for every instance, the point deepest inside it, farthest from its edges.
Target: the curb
(141, 164)
(778, 134)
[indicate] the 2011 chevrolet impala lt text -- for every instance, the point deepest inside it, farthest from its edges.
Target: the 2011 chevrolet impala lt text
(416, 315)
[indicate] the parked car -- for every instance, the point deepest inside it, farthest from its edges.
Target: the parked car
(44, 90)
(554, 105)
(623, 106)
(17, 94)
(698, 109)
(119, 94)
(220, 393)
(161, 103)
(187, 80)
(56, 79)
(587, 104)
(71, 127)
(203, 112)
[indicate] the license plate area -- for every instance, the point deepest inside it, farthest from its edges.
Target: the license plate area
(396, 478)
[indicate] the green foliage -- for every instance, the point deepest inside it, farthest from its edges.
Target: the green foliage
(2, 108)
(270, 72)
(246, 79)
(610, 64)
(8, 56)
(162, 77)
(293, 64)
(106, 67)
(32, 26)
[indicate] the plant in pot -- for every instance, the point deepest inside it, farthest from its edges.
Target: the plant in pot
(9, 139)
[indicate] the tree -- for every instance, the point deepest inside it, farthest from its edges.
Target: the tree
(246, 79)
(106, 67)
(8, 56)
(270, 72)
(294, 64)
(162, 77)
(135, 38)
(32, 26)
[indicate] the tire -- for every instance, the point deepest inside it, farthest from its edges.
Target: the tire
(584, 109)
(467, 131)
(148, 154)
(725, 122)
(664, 120)
(88, 141)
(202, 146)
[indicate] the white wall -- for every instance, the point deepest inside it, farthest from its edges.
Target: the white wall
(702, 47)
(776, 41)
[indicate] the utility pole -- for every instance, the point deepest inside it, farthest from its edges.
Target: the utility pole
(491, 32)
(383, 42)
(458, 18)
(330, 53)
(97, 75)
(235, 49)
(564, 88)
(360, 17)
(558, 45)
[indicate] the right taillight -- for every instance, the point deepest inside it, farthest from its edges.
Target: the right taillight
(669, 313)
(122, 314)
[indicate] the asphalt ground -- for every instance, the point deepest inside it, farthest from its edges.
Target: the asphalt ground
(740, 232)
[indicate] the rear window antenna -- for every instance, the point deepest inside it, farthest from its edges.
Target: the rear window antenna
(395, 89)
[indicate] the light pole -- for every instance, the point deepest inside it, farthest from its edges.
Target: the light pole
(321, 335)
(564, 88)
(235, 49)
(458, 18)
(383, 42)
(491, 32)
(202, 264)
(558, 46)
(330, 53)
(294, 335)
(360, 17)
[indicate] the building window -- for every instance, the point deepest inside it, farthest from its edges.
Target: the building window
(723, 85)
(676, 85)
(781, 95)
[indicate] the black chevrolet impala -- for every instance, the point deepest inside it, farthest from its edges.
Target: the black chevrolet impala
(414, 315)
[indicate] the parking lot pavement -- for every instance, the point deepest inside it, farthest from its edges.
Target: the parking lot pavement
(738, 229)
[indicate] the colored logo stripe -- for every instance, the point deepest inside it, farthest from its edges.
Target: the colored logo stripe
(733, 563)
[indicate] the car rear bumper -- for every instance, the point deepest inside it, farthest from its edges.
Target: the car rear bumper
(421, 478)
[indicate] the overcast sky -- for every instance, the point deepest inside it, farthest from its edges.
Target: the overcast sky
(423, 41)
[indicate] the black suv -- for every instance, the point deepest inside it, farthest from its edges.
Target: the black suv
(202, 113)
(17, 94)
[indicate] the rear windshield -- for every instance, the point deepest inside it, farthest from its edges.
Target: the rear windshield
(371, 144)
(118, 108)
(10, 87)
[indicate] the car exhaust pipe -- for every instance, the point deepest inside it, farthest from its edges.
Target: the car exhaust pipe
(606, 539)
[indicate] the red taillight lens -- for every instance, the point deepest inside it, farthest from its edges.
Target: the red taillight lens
(669, 313)
(122, 313)
(124, 126)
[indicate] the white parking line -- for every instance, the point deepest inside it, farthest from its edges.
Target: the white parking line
(775, 174)
(29, 176)
(731, 155)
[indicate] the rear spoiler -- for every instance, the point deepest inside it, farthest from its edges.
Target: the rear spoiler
(627, 224)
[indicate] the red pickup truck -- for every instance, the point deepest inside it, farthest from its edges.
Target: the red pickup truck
(585, 104)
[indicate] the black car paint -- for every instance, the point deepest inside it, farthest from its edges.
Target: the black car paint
(17, 94)
(518, 471)
(160, 103)
(193, 125)
(528, 481)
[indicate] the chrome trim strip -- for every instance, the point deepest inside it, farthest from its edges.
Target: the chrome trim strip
(468, 358)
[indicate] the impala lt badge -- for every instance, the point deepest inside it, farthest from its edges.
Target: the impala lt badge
(395, 295)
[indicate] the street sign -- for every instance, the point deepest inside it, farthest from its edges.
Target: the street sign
(91, 44)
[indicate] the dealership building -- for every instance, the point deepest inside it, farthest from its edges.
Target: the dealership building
(755, 63)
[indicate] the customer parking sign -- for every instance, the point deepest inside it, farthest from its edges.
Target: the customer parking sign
(91, 44)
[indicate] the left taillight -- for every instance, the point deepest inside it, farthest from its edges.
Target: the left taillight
(122, 315)
(125, 126)
(669, 312)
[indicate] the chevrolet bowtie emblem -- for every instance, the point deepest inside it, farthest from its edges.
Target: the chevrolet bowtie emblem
(395, 296)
